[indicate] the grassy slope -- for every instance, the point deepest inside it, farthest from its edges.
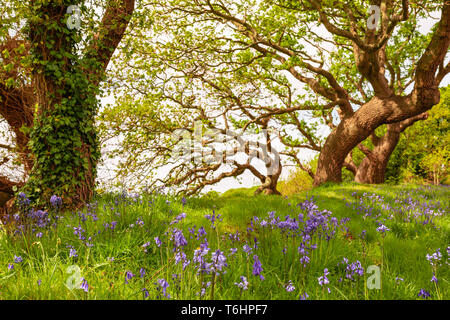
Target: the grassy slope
(46, 259)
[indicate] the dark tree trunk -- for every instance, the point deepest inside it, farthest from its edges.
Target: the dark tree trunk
(372, 169)
(49, 91)
(269, 187)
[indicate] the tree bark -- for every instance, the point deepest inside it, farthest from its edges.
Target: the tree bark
(372, 169)
(46, 91)
(269, 187)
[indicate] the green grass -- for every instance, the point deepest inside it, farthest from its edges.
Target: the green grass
(44, 272)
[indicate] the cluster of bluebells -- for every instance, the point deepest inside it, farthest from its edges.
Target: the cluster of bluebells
(408, 206)
(307, 225)
(309, 222)
(352, 269)
(382, 229)
(178, 218)
(435, 257)
(56, 202)
(29, 220)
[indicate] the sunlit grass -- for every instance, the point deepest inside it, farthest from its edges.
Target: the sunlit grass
(117, 227)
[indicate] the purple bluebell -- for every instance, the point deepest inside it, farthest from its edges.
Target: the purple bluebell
(201, 232)
(382, 229)
(247, 249)
(423, 294)
(243, 284)
(178, 238)
(434, 279)
(323, 279)
(435, 257)
(128, 276)
(304, 296)
(219, 261)
(73, 253)
(84, 285)
(55, 201)
(163, 284)
(257, 267)
(289, 287)
(145, 245)
(158, 242)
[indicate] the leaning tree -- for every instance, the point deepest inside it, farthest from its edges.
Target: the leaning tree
(186, 134)
(54, 55)
(317, 60)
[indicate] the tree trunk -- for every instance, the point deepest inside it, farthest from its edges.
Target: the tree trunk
(372, 169)
(269, 187)
(63, 137)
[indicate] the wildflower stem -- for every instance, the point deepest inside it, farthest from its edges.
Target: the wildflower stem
(213, 281)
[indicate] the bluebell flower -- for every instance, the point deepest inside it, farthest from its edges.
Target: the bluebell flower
(178, 238)
(201, 232)
(145, 245)
(382, 229)
(434, 279)
(158, 241)
(435, 257)
(163, 284)
(257, 268)
(247, 249)
(243, 284)
(290, 287)
(304, 296)
(56, 201)
(423, 294)
(323, 279)
(73, 253)
(84, 285)
(128, 276)
(218, 260)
